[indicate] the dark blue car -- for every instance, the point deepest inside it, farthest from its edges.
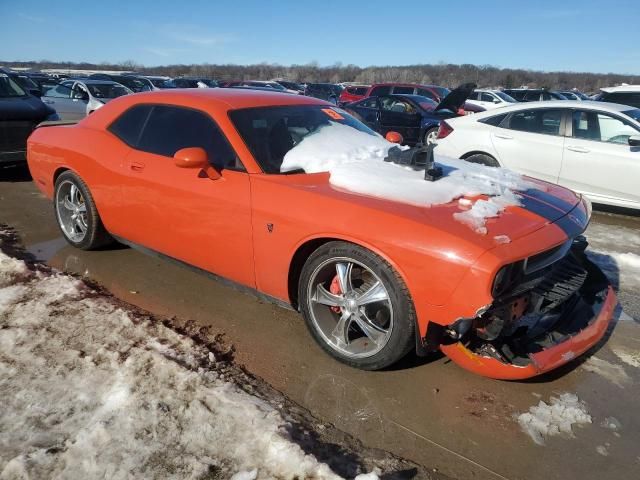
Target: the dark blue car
(415, 117)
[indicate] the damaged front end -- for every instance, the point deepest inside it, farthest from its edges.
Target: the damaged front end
(547, 310)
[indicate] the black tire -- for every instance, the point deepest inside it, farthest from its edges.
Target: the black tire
(401, 337)
(483, 159)
(431, 132)
(96, 235)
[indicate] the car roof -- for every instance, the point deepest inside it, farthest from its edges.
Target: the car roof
(93, 81)
(622, 88)
(233, 98)
(604, 106)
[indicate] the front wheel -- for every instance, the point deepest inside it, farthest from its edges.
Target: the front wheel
(356, 306)
(76, 213)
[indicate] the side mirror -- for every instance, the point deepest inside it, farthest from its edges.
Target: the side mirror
(495, 100)
(634, 141)
(35, 92)
(394, 137)
(195, 157)
(78, 95)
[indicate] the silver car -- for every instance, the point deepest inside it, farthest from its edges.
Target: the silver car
(75, 99)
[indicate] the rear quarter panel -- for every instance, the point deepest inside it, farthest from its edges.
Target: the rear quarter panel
(92, 154)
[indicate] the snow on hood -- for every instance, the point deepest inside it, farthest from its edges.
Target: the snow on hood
(355, 161)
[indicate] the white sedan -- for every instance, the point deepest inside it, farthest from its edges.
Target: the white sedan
(590, 147)
(490, 99)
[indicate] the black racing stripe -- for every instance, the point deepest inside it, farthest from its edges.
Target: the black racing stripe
(575, 222)
(541, 208)
(552, 201)
(572, 219)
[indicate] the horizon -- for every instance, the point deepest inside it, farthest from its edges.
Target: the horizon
(364, 34)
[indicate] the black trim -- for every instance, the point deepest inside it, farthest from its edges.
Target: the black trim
(223, 280)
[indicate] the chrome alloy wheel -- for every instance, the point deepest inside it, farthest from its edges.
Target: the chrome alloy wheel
(431, 137)
(71, 211)
(350, 307)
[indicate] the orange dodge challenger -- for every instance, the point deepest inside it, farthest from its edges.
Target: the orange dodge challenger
(196, 176)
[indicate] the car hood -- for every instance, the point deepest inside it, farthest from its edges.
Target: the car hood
(540, 207)
(456, 98)
(24, 108)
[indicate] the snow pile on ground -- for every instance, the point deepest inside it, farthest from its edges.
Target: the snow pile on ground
(356, 163)
(91, 391)
(554, 418)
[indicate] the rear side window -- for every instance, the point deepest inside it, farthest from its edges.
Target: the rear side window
(378, 91)
(403, 90)
(129, 125)
(495, 120)
(545, 121)
(532, 96)
(625, 98)
(169, 129)
(423, 92)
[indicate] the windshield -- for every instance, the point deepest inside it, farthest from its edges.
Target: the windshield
(271, 132)
(107, 90)
(635, 114)
(505, 97)
(132, 83)
(9, 88)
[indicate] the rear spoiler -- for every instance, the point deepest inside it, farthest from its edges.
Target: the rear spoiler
(56, 123)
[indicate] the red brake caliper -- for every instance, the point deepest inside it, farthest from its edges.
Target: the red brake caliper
(335, 289)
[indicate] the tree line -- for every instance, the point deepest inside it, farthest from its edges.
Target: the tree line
(450, 75)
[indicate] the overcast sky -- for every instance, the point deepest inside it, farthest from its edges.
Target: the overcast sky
(583, 35)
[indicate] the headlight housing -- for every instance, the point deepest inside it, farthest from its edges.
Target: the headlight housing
(507, 277)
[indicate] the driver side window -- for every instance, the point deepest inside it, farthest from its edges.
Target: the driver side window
(396, 105)
(60, 91)
(590, 125)
(79, 92)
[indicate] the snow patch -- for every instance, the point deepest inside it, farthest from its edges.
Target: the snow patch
(355, 161)
(630, 358)
(612, 372)
(554, 418)
(501, 239)
(89, 392)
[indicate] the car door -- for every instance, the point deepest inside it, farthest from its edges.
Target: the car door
(182, 212)
(367, 112)
(59, 98)
(397, 114)
(598, 160)
(79, 101)
(531, 141)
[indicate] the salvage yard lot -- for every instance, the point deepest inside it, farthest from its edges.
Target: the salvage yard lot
(429, 411)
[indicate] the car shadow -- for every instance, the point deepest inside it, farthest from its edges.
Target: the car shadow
(15, 173)
(627, 212)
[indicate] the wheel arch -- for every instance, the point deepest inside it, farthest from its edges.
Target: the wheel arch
(306, 247)
(478, 152)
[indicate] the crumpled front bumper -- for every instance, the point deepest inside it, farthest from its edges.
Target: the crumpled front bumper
(547, 359)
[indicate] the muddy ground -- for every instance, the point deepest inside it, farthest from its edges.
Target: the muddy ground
(428, 410)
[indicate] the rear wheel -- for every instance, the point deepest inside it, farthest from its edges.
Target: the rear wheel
(356, 306)
(483, 159)
(430, 136)
(76, 213)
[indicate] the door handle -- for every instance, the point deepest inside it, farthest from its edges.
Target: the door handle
(503, 136)
(578, 149)
(50, 102)
(136, 166)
